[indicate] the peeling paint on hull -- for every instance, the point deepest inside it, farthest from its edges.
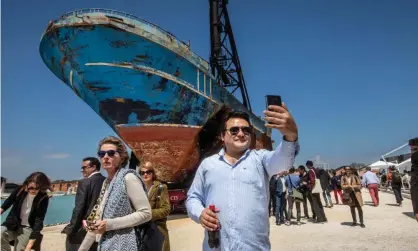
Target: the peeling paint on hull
(148, 86)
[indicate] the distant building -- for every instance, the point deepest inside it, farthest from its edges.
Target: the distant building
(64, 186)
(318, 163)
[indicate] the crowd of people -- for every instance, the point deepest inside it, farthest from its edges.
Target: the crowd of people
(127, 209)
(298, 186)
(110, 213)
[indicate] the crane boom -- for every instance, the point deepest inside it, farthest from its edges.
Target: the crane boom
(224, 59)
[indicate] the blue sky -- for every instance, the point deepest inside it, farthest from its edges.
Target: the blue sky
(346, 69)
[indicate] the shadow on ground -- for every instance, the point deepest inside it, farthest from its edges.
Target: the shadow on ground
(369, 203)
(392, 205)
(177, 216)
(349, 224)
(409, 214)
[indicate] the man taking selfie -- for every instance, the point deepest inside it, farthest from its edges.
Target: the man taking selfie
(236, 181)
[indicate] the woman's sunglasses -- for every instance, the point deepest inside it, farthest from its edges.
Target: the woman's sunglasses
(110, 153)
(33, 188)
(235, 130)
(145, 172)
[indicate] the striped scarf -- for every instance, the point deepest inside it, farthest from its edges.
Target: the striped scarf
(118, 205)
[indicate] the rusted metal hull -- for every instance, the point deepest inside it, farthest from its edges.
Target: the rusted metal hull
(155, 93)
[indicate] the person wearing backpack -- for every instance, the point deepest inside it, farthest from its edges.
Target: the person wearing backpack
(159, 201)
(396, 185)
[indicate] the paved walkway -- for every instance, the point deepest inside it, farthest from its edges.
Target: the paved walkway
(388, 227)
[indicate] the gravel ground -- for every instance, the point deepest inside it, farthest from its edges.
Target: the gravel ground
(388, 227)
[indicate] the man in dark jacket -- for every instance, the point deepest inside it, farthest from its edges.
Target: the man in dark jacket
(413, 144)
(87, 193)
(325, 179)
(396, 185)
(304, 180)
(272, 202)
(316, 197)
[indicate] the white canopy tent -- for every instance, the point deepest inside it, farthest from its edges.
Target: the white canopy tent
(405, 165)
(382, 165)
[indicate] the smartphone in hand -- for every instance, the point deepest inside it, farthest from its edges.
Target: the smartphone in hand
(273, 100)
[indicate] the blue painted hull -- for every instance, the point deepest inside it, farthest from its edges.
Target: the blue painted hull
(146, 84)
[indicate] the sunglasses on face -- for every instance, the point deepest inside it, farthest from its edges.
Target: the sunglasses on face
(145, 172)
(33, 188)
(110, 153)
(235, 130)
(85, 167)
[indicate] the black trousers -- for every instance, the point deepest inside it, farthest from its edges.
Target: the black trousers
(360, 213)
(305, 204)
(272, 202)
(73, 242)
(317, 207)
(398, 193)
(353, 209)
(309, 196)
(414, 193)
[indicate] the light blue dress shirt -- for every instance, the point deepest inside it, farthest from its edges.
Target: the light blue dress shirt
(241, 193)
(369, 178)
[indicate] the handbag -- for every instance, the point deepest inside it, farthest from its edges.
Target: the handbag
(347, 199)
(296, 194)
(317, 186)
(148, 236)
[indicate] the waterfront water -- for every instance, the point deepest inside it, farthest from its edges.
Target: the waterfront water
(59, 210)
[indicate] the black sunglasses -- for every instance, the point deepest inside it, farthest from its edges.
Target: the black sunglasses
(235, 130)
(110, 153)
(85, 167)
(145, 172)
(33, 188)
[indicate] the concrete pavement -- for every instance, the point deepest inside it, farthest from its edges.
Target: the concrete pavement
(388, 228)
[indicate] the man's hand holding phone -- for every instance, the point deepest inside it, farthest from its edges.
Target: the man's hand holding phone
(279, 117)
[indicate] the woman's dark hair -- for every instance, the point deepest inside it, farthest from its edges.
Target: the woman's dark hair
(40, 179)
(236, 115)
(334, 172)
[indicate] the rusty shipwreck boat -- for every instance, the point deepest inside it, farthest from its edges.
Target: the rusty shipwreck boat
(147, 85)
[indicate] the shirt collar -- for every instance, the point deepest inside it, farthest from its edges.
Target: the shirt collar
(96, 172)
(221, 154)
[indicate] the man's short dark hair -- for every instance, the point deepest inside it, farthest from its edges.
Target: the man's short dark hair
(413, 142)
(301, 167)
(368, 168)
(309, 163)
(292, 170)
(236, 115)
(93, 162)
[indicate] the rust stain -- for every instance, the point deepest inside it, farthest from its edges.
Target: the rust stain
(96, 88)
(156, 143)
